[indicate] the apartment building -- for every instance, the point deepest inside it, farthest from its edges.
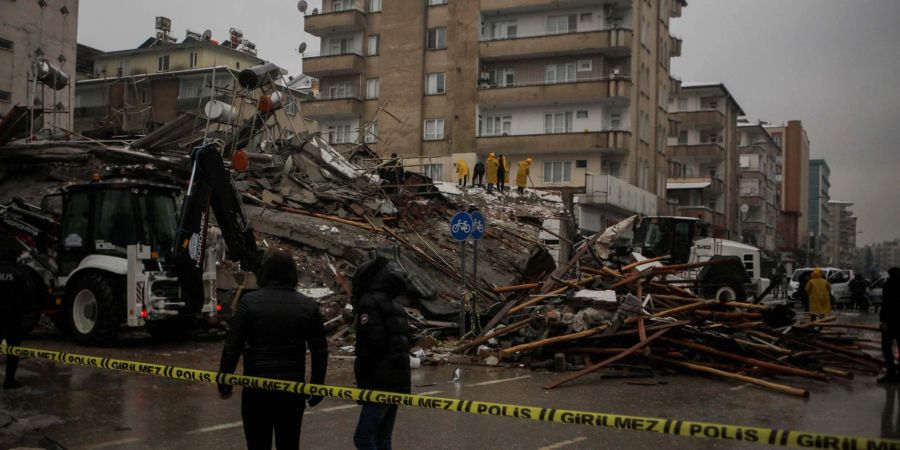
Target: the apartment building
(819, 219)
(580, 86)
(703, 157)
(792, 233)
(760, 186)
(841, 248)
(34, 34)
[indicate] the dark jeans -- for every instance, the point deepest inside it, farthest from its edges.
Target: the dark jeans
(376, 424)
(888, 337)
(477, 179)
(265, 411)
(464, 181)
(501, 182)
(12, 362)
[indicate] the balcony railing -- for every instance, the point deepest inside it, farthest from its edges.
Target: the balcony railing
(615, 42)
(539, 141)
(582, 90)
(332, 22)
(321, 65)
(703, 150)
(489, 38)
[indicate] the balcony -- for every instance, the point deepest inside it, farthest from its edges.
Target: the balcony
(532, 93)
(712, 217)
(609, 191)
(327, 23)
(711, 184)
(320, 66)
(615, 42)
(697, 119)
(326, 108)
(707, 150)
(498, 5)
(675, 46)
(593, 141)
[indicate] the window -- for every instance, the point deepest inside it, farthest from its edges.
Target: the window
(558, 123)
(615, 121)
(436, 2)
(585, 65)
(581, 114)
(497, 125)
(562, 24)
(339, 46)
(560, 73)
(114, 220)
(712, 203)
(341, 5)
(558, 172)
(341, 89)
(437, 38)
(372, 87)
(194, 57)
(190, 88)
(500, 30)
(434, 129)
(290, 107)
(504, 77)
(613, 168)
(6, 44)
(434, 84)
(434, 171)
(374, 5)
(682, 104)
(163, 63)
(586, 17)
(371, 136)
(682, 137)
(372, 48)
(339, 134)
(777, 137)
(581, 164)
(5, 96)
(710, 103)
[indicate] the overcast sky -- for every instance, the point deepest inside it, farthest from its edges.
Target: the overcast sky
(834, 64)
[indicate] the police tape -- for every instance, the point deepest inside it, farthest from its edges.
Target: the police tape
(758, 435)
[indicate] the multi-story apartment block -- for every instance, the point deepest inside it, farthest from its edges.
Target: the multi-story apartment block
(703, 155)
(760, 188)
(819, 219)
(841, 248)
(792, 233)
(579, 86)
(32, 32)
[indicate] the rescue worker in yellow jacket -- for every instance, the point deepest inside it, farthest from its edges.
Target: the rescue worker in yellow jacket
(819, 291)
(522, 175)
(462, 172)
(492, 164)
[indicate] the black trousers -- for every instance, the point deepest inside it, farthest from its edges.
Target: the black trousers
(477, 179)
(12, 362)
(266, 411)
(501, 181)
(888, 337)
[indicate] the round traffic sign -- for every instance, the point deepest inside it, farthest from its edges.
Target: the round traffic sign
(479, 226)
(461, 226)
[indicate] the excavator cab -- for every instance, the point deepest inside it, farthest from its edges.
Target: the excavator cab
(656, 236)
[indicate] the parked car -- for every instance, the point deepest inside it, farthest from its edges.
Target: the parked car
(839, 279)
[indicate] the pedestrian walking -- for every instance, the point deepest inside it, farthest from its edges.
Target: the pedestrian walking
(14, 286)
(522, 175)
(819, 291)
(382, 348)
(478, 174)
(859, 292)
(462, 172)
(890, 324)
(492, 166)
(272, 328)
(502, 173)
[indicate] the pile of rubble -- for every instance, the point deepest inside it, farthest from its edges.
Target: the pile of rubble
(595, 316)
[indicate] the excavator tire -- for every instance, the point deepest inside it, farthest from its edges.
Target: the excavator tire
(724, 281)
(95, 308)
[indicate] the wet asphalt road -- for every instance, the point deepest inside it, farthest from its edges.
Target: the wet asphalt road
(86, 409)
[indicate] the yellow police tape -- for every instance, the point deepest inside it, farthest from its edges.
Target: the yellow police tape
(766, 436)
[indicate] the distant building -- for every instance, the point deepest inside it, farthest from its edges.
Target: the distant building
(792, 233)
(842, 242)
(885, 255)
(760, 188)
(819, 219)
(703, 167)
(32, 32)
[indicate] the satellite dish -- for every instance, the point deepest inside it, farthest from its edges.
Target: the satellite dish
(745, 208)
(302, 5)
(302, 47)
(207, 35)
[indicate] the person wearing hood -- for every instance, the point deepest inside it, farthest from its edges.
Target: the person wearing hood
(819, 291)
(523, 174)
(462, 172)
(890, 324)
(502, 173)
(272, 329)
(492, 166)
(382, 348)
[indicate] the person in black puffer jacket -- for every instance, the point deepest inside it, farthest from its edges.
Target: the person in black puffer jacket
(382, 348)
(272, 328)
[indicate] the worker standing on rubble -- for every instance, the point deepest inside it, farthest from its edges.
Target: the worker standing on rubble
(492, 166)
(272, 328)
(819, 291)
(462, 172)
(14, 286)
(890, 324)
(382, 348)
(478, 175)
(522, 175)
(502, 173)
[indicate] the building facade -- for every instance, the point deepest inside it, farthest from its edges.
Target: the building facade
(31, 32)
(703, 157)
(579, 86)
(792, 232)
(841, 249)
(819, 218)
(760, 188)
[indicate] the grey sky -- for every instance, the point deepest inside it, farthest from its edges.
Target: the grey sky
(834, 64)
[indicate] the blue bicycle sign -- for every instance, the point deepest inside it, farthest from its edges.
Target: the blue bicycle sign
(479, 226)
(461, 226)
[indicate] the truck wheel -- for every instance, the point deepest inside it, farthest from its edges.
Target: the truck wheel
(94, 307)
(724, 289)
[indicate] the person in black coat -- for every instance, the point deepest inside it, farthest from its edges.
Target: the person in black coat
(890, 324)
(858, 290)
(272, 328)
(14, 286)
(382, 348)
(478, 174)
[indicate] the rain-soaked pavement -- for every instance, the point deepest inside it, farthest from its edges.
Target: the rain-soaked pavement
(83, 408)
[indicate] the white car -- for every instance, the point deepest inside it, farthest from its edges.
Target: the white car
(839, 279)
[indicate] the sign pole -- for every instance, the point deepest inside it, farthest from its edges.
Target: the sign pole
(462, 299)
